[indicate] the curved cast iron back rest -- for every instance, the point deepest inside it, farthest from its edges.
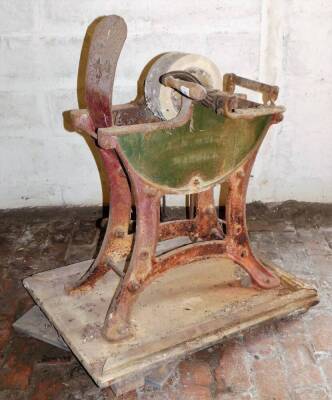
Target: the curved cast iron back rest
(101, 67)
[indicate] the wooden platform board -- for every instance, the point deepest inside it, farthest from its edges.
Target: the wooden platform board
(35, 324)
(185, 310)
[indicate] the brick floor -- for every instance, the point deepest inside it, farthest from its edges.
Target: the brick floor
(287, 360)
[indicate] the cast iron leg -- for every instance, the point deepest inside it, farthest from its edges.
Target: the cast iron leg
(238, 247)
(147, 200)
(117, 243)
(116, 247)
(206, 217)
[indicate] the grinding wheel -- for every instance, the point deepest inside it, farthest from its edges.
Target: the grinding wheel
(165, 102)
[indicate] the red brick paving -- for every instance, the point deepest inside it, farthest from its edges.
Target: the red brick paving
(300, 360)
(232, 373)
(270, 379)
(262, 341)
(234, 396)
(311, 393)
(46, 390)
(287, 360)
(326, 366)
(195, 372)
(5, 332)
(16, 376)
(321, 331)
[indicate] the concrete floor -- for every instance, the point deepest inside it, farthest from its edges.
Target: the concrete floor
(285, 360)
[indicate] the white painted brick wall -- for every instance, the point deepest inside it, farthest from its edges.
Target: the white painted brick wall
(288, 43)
(296, 162)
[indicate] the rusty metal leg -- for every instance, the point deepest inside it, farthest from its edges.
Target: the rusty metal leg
(207, 223)
(117, 243)
(105, 47)
(238, 247)
(147, 200)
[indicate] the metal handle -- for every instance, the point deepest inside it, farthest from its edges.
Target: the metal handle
(269, 92)
(193, 90)
(226, 102)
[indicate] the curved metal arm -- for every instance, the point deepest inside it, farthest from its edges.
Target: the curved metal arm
(105, 134)
(250, 113)
(106, 44)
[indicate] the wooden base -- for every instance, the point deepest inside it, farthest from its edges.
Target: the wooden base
(35, 324)
(183, 311)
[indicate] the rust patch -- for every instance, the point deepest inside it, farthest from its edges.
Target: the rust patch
(241, 239)
(173, 229)
(91, 280)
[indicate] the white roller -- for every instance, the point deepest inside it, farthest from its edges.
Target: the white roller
(165, 102)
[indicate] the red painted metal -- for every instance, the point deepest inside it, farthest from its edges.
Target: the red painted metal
(106, 44)
(147, 201)
(117, 243)
(238, 247)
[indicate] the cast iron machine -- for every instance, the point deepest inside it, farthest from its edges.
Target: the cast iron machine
(126, 312)
(214, 138)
